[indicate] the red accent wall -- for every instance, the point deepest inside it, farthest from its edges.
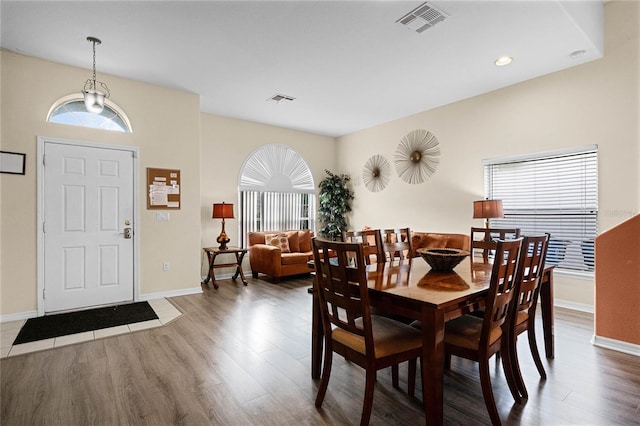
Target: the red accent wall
(617, 293)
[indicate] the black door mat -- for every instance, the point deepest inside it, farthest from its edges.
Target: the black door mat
(77, 322)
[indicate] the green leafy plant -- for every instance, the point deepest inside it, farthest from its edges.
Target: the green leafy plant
(335, 203)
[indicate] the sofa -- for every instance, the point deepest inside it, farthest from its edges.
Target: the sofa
(438, 240)
(280, 253)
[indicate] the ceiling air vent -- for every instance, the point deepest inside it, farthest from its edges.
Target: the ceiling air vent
(280, 98)
(422, 18)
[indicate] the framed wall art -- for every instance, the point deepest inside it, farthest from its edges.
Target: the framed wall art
(12, 162)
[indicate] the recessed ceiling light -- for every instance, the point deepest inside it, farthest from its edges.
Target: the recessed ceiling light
(503, 60)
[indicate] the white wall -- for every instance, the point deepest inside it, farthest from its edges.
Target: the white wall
(167, 129)
(226, 143)
(596, 103)
(166, 126)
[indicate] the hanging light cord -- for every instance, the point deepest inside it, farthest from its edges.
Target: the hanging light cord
(94, 64)
(93, 83)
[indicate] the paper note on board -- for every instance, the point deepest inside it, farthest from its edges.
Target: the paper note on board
(158, 194)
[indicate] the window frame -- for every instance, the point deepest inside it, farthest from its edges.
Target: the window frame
(269, 176)
(564, 203)
(78, 97)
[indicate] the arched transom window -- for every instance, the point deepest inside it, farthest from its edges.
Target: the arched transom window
(277, 192)
(71, 110)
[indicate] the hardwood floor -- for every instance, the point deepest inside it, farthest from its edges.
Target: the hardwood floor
(241, 356)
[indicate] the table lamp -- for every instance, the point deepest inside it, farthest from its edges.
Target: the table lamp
(222, 211)
(487, 209)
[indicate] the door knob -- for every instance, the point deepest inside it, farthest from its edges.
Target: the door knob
(127, 233)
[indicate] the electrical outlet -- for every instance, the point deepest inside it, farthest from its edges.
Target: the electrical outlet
(165, 266)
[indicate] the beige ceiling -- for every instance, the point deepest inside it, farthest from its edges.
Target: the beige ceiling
(348, 63)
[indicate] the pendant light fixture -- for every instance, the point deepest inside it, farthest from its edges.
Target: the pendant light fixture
(94, 98)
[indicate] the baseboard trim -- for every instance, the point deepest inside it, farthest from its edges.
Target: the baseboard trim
(172, 293)
(581, 307)
(18, 316)
(616, 345)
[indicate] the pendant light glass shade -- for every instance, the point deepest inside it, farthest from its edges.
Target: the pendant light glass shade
(93, 101)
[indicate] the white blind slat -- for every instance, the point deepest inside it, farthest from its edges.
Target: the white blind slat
(550, 193)
(276, 211)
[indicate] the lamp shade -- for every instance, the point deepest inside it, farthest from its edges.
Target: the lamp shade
(94, 101)
(222, 211)
(487, 209)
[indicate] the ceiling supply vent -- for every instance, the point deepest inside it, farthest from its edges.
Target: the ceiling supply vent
(422, 18)
(281, 98)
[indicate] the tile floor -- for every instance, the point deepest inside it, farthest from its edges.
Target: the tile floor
(165, 311)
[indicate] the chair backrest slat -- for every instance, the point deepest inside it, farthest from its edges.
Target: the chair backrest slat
(534, 252)
(502, 286)
(397, 243)
(485, 240)
(341, 285)
(371, 240)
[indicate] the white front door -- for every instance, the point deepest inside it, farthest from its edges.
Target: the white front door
(88, 214)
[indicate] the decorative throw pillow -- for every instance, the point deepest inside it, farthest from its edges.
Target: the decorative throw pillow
(304, 240)
(294, 245)
(268, 238)
(278, 240)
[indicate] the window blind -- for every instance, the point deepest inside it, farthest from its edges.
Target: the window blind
(276, 190)
(276, 211)
(554, 192)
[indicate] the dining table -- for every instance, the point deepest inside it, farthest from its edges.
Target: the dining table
(409, 288)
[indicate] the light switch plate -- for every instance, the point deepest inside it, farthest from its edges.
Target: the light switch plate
(162, 216)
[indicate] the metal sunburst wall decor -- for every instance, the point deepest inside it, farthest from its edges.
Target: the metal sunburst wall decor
(417, 156)
(375, 173)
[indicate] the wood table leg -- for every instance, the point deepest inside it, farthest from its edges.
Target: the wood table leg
(317, 336)
(433, 366)
(211, 275)
(546, 305)
(239, 257)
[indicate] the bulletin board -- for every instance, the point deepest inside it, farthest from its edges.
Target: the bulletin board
(163, 189)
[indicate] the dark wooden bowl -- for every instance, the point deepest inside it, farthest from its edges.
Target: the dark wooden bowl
(442, 259)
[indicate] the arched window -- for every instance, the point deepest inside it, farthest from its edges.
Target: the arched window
(71, 110)
(277, 192)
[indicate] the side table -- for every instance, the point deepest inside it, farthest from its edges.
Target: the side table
(213, 252)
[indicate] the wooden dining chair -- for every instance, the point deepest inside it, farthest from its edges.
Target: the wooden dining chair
(397, 243)
(478, 339)
(484, 240)
(371, 240)
(531, 267)
(370, 341)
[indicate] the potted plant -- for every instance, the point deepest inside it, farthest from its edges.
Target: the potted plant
(335, 203)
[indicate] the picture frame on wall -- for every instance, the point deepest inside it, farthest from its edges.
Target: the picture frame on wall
(12, 162)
